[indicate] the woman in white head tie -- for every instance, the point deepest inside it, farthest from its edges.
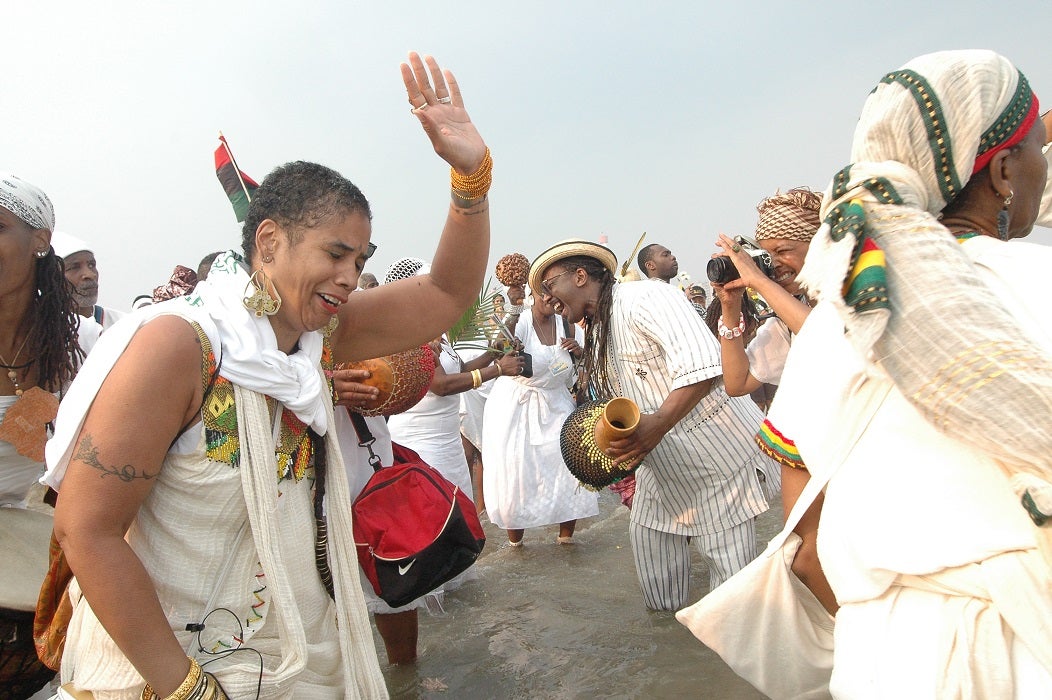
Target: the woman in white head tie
(927, 533)
(194, 458)
(39, 354)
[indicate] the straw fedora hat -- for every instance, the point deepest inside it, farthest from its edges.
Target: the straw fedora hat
(567, 249)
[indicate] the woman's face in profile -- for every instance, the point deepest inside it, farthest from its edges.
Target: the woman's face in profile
(18, 245)
(1027, 170)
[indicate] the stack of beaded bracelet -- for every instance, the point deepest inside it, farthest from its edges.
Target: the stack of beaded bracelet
(731, 333)
(197, 685)
(475, 185)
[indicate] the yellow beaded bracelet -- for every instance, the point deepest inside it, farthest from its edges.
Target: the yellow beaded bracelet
(475, 185)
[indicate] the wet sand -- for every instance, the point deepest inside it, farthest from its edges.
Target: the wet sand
(564, 621)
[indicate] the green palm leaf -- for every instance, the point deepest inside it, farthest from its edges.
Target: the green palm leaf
(473, 329)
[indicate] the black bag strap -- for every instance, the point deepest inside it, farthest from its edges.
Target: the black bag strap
(365, 439)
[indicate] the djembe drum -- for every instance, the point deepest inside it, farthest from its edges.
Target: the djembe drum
(26, 535)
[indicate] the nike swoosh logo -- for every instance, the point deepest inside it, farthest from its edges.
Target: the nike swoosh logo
(403, 569)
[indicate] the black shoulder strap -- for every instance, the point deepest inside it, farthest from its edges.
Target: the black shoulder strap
(365, 438)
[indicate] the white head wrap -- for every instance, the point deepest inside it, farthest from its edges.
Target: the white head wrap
(942, 336)
(27, 202)
(66, 245)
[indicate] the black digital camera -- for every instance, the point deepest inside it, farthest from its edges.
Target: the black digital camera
(721, 270)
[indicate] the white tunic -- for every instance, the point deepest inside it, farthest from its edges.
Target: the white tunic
(525, 480)
(702, 477)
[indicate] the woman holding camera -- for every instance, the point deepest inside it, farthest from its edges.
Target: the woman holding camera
(786, 225)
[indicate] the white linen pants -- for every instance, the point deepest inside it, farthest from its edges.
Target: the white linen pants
(663, 560)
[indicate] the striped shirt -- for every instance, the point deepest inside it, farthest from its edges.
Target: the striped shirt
(701, 478)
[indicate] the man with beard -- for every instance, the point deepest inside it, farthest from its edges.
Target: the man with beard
(83, 273)
(657, 262)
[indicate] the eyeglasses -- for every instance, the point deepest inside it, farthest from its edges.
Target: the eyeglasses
(546, 285)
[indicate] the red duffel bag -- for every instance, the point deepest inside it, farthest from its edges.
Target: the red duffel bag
(413, 528)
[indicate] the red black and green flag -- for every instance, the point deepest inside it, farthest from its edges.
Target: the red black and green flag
(238, 186)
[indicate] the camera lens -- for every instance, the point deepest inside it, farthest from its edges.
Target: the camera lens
(721, 270)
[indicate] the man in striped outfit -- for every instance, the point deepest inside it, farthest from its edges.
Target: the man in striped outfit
(698, 476)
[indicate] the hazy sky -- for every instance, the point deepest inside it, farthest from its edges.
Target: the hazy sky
(614, 118)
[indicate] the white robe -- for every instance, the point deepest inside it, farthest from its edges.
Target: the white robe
(525, 480)
(911, 514)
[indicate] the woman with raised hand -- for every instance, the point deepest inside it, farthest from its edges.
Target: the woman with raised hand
(196, 454)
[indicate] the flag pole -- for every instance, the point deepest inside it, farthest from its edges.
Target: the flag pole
(226, 146)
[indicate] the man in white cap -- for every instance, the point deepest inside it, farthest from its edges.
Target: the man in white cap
(83, 273)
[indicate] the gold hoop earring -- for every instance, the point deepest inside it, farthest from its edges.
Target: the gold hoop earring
(258, 298)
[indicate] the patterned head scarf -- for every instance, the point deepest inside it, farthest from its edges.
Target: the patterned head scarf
(405, 268)
(792, 215)
(27, 202)
(909, 296)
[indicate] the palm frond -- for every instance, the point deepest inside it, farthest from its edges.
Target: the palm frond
(472, 329)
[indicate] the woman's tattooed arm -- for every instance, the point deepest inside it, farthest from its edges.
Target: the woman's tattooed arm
(88, 454)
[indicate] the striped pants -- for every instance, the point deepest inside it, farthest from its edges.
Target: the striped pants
(663, 560)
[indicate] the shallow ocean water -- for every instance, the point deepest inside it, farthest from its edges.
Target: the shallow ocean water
(564, 621)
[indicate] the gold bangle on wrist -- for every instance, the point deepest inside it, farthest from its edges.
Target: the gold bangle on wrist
(477, 184)
(185, 689)
(499, 370)
(476, 379)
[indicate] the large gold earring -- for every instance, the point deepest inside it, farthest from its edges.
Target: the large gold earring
(258, 298)
(331, 326)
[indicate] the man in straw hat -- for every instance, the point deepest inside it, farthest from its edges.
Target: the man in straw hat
(697, 478)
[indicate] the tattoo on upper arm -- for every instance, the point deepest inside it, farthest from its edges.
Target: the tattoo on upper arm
(89, 455)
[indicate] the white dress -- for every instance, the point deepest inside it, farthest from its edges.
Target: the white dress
(526, 481)
(432, 429)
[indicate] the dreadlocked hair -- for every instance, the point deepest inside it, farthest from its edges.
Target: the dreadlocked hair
(597, 328)
(53, 336)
